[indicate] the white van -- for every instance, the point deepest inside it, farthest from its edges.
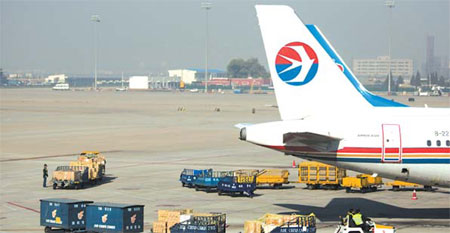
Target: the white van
(61, 87)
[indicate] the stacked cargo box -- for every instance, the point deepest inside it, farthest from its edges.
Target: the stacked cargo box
(168, 218)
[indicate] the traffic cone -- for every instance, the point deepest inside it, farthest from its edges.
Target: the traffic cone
(414, 196)
(293, 164)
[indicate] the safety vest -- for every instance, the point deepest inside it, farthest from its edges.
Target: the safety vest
(357, 218)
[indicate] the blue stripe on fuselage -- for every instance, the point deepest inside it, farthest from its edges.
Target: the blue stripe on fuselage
(374, 100)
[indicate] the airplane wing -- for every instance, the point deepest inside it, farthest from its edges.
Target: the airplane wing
(318, 142)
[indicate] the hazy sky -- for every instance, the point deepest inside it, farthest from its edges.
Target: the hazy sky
(138, 36)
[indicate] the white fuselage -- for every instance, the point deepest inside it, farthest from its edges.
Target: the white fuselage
(410, 144)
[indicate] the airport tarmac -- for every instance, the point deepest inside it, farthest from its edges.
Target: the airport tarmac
(148, 142)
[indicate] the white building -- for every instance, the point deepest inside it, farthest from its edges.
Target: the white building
(185, 75)
(57, 78)
(138, 82)
(379, 67)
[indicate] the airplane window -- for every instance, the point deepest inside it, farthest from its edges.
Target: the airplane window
(428, 143)
(447, 142)
(438, 142)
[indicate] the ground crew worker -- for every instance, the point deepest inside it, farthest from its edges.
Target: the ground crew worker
(45, 175)
(349, 218)
(358, 219)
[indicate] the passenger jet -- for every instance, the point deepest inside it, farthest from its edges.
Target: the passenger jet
(328, 116)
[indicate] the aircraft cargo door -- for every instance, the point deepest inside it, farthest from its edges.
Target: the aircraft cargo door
(392, 143)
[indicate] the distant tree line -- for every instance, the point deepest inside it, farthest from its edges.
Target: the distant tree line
(240, 68)
(432, 79)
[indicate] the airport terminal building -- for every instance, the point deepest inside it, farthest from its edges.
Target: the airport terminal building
(379, 67)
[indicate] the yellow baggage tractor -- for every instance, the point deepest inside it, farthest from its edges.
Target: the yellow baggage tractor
(318, 175)
(398, 185)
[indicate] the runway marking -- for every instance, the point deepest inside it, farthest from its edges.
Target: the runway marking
(51, 156)
(23, 207)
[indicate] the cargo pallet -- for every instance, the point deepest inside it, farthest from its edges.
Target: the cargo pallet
(398, 185)
(233, 185)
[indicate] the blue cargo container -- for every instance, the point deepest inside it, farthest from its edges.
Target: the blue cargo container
(112, 217)
(231, 185)
(63, 213)
(188, 176)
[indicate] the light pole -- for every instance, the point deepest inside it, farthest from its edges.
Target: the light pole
(95, 19)
(206, 6)
(390, 4)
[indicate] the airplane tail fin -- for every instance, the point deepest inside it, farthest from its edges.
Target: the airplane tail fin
(308, 75)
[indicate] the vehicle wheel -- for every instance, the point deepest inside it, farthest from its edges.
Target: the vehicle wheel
(62, 185)
(347, 190)
(219, 192)
(196, 188)
(47, 229)
(55, 185)
(183, 184)
(428, 188)
(241, 193)
(309, 186)
(363, 190)
(395, 188)
(277, 186)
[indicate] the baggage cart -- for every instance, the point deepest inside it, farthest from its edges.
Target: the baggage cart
(188, 176)
(237, 185)
(209, 180)
(202, 223)
(318, 175)
(70, 177)
(113, 217)
(300, 224)
(63, 214)
(272, 177)
(359, 184)
(276, 223)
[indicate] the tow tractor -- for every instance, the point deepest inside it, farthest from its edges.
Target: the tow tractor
(373, 228)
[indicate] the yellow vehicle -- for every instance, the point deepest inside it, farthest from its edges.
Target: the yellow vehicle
(318, 175)
(359, 183)
(397, 185)
(70, 176)
(94, 161)
(373, 180)
(274, 177)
